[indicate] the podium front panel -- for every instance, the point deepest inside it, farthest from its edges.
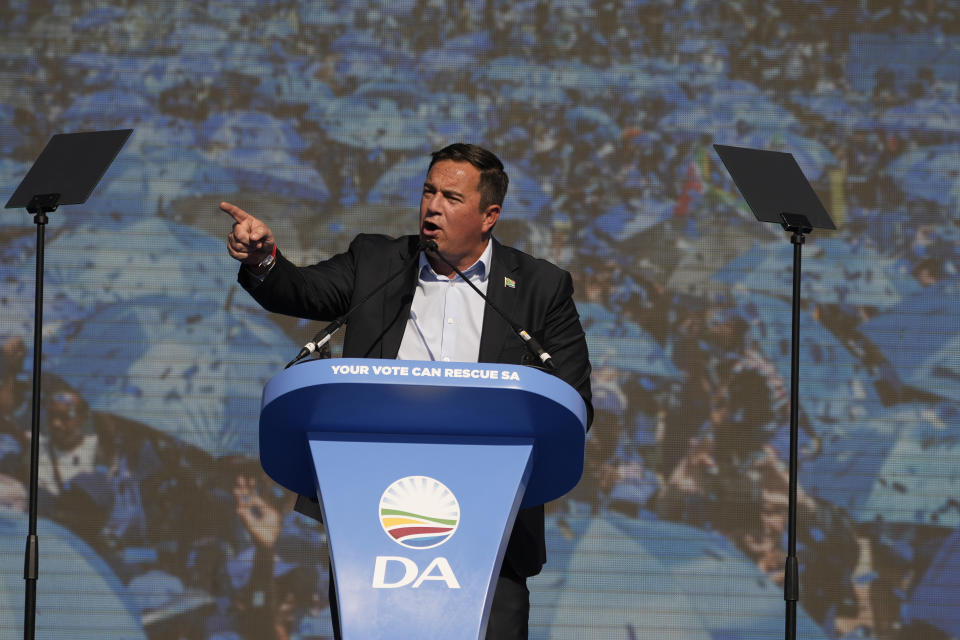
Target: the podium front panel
(418, 530)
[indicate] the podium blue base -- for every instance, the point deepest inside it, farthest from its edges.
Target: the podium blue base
(418, 528)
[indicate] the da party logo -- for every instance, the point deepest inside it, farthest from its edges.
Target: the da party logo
(419, 512)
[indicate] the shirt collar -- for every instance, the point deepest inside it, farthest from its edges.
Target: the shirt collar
(481, 267)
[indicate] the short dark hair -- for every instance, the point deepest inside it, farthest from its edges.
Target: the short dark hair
(493, 179)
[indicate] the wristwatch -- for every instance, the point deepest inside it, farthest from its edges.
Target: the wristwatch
(266, 263)
(260, 271)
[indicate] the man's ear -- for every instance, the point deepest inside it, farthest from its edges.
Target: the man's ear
(490, 216)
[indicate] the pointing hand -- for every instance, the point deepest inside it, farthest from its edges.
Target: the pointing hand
(251, 240)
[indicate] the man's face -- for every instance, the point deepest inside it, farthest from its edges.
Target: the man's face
(66, 416)
(451, 216)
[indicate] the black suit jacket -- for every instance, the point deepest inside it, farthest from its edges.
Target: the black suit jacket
(540, 301)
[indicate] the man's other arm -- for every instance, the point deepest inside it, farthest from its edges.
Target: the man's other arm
(566, 342)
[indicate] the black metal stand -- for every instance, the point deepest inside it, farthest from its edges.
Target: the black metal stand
(798, 226)
(39, 206)
(772, 183)
(65, 173)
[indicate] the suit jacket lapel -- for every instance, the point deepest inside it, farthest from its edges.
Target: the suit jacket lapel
(496, 331)
(397, 299)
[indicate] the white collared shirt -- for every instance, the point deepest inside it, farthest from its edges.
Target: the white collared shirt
(70, 464)
(446, 317)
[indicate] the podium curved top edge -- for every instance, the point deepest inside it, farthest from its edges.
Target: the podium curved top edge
(477, 375)
(422, 401)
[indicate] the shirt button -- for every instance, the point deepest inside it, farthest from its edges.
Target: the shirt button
(449, 320)
(446, 358)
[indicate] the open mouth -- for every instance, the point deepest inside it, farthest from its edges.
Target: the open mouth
(430, 228)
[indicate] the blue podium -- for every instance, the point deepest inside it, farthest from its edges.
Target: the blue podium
(420, 468)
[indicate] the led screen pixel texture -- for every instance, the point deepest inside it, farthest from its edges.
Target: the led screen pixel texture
(156, 520)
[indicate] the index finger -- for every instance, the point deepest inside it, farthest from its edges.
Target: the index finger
(235, 212)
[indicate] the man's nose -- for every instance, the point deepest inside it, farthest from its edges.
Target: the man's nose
(434, 202)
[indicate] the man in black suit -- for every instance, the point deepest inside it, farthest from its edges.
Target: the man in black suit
(428, 312)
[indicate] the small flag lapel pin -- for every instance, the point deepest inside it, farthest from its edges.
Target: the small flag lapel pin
(510, 284)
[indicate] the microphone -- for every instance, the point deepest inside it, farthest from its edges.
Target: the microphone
(323, 336)
(528, 340)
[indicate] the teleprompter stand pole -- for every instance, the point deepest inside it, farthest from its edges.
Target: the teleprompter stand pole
(774, 186)
(39, 206)
(65, 173)
(798, 226)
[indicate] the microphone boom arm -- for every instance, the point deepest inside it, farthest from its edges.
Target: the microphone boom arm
(324, 335)
(528, 340)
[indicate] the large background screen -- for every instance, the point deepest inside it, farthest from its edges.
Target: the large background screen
(318, 117)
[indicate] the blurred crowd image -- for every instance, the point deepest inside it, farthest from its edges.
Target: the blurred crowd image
(321, 117)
